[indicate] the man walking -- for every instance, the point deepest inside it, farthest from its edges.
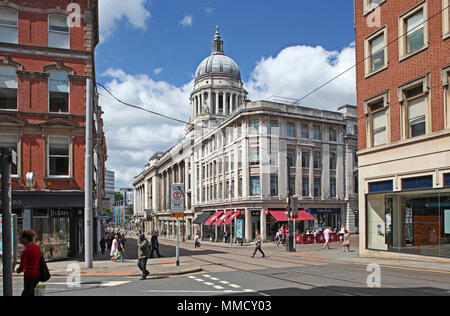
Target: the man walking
(143, 255)
(258, 242)
(155, 245)
(326, 234)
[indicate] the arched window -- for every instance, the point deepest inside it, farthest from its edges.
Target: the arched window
(8, 88)
(8, 26)
(58, 92)
(58, 32)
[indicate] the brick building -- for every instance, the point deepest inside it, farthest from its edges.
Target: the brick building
(45, 62)
(403, 56)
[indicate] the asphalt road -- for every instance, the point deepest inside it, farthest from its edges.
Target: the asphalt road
(232, 272)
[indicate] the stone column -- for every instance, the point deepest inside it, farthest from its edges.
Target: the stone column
(217, 103)
(311, 172)
(248, 225)
(263, 228)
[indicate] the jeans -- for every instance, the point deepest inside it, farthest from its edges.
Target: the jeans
(142, 264)
(260, 250)
(29, 285)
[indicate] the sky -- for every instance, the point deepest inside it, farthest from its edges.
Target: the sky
(149, 51)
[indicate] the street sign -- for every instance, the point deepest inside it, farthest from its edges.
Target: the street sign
(177, 198)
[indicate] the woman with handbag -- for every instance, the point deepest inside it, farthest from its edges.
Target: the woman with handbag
(30, 262)
(346, 241)
(258, 242)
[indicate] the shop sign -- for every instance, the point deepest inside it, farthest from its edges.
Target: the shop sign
(59, 213)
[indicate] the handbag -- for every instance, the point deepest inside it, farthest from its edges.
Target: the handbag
(45, 273)
(346, 241)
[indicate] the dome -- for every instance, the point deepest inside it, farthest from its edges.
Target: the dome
(218, 63)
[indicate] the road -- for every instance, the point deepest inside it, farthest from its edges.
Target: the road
(232, 272)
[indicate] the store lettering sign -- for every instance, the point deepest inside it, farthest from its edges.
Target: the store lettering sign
(59, 213)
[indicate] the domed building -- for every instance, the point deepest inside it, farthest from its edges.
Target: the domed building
(234, 160)
(218, 89)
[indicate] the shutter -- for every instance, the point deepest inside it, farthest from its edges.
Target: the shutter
(416, 109)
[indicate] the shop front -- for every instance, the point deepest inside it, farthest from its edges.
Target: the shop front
(323, 218)
(412, 221)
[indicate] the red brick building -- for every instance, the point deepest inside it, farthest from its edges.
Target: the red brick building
(46, 56)
(403, 69)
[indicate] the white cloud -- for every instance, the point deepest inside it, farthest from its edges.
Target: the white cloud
(187, 20)
(209, 10)
(298, 70)
(157, 71)
(132, 135)
(113, 11)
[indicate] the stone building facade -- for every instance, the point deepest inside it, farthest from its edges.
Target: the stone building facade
(234, 161)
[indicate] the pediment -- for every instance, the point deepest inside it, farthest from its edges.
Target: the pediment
(59, 123)
(7, 120)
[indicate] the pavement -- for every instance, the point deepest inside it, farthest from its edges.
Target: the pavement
(166, 266)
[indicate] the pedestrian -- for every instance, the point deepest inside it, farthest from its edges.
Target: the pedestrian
(280, 235)
(143, 255)
(155, 244)
(110, 241)
(341, 233)
(29, 262)
(225, 236)
(114, 248)
(103, 245)
(121, 249)
(258, 242)
(197, 241)
(346, 241)
(326, 235)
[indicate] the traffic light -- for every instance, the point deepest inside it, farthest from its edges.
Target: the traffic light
(294, 207)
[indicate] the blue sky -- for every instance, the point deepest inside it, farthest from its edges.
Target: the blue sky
(251, 29)
(150, 50)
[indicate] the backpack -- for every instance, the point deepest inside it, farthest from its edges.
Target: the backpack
(45, 273)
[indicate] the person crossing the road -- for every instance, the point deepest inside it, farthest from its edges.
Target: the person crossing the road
(258, 242)
(155, 244)
(143, 255)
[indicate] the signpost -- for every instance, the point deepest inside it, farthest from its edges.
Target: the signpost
(6, 222)
(177, 210)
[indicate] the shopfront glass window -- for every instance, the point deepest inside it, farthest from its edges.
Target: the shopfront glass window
(52, 230)
(415, 222)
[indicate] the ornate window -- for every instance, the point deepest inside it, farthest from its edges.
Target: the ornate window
(8, 26)
(8, 88)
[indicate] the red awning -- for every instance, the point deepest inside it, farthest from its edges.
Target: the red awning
(222, 218)
(280, 216)
(213, 218)
(304, 216)
(233, 216)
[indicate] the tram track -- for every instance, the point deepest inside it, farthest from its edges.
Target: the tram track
(309, 274)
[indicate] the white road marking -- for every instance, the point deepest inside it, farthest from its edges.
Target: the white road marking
(199, 280)
(114, 283)
(234, 285)
(214, 279)
(218, 287)
(206, 275)
(224, 282)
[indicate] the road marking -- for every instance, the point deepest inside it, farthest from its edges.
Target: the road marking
(114, 283)
(199, 280)
(264, 294)
(234, 285)
(206, 276)
(218, 287)
(192, 277)
(224, 282)
(214, 279)
(208, 283)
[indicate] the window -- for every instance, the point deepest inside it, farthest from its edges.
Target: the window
(305, 159)
(305, 186)
(58, 32)
(333, 161)
(290, 130)
(413, 31)
(292, 185)
(274, 128)
(370, 5)
(415, 109)
(317, 187)
(317, 133)
(446, 19)
(317, 156)
(254, 156)
(59, 92)
(291, 158)
(255, 188)
(8, 26)
(58, 156)
(376, 111)
(254, 126)
(332, 134)
(10, 141)
(274, 185)
(376, 52)
(332, 187)
(304, 130)
(8, 88)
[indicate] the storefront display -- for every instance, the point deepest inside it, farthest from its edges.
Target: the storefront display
(413, 222)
